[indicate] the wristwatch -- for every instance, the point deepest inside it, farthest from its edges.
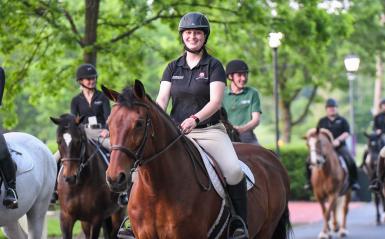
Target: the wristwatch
(195, 118)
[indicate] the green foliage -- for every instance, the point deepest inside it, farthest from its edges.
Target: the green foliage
(294, 157)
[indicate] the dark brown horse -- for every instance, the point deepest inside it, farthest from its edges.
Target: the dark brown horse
(170, 197)
(381, 170)
(327, 179)
(370, 161)
(82, 188)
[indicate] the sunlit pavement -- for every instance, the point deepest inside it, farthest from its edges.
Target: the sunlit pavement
(306, 218)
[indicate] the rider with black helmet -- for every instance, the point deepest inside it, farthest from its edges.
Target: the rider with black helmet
(7, 166)
(379, 129)
(339, 127)
(379, 119)
(91, 103)
(195, 82)
(242, 102)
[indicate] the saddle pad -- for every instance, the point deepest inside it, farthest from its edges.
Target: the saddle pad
(23, 160)
(216, 182)
(346, 181)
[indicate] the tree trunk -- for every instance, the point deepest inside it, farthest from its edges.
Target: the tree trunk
(287, 121)
(91, 26)
(378, 84)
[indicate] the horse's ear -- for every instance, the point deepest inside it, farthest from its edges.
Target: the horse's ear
(79, 119)
(111, 94)
(55, 120)
(139, 89)
(318, 130)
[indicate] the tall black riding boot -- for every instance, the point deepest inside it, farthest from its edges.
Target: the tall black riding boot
(238, 196)
(353, 174)
(307, 185)
(8, 171)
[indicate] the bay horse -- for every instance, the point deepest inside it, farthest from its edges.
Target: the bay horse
(381, 171)
(329, 181)
(369, 165)
(82, 188)
(35, 181)
(171, 195)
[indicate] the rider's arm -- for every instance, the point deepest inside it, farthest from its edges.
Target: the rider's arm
(164, 94)
(252, 124)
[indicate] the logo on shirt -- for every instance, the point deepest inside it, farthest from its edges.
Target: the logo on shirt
(201, 76)
(177, 77)
(244, 102)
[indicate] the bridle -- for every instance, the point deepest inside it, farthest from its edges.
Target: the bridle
(137, 154)
(83, 161)
(319, 156)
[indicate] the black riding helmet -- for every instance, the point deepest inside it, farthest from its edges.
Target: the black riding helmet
(236, 66)
(331, 103)
(195, 20)
(86, 71)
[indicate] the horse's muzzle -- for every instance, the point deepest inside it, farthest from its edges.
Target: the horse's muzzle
(70, 179)
(120, 183)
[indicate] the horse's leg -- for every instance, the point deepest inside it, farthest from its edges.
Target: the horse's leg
(66, 225)
(95, 230)
(377, 204)
(325, 230)
(117, 219)
(343, 232)
(14, 231)
(335, 219)
(383, 206)
(86, 229)
(36, 219)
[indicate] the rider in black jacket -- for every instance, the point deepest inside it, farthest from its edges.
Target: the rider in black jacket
(7, 166)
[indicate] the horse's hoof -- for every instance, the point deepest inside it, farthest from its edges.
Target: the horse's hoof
(324, 235)
(343, 232)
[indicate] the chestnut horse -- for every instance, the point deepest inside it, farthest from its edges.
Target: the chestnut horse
(171, 195)
(82, 188)
(370, 161)
(328, 180)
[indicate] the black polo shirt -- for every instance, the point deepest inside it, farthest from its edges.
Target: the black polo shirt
(190, 89)
(379, 122)
(100, 107)
(337, 126)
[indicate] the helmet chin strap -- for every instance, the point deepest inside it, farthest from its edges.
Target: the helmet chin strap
(88, 88)
(192, 51)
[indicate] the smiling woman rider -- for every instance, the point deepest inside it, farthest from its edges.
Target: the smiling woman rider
(195, 82)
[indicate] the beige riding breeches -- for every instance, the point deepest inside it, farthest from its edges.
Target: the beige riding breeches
(216, 142)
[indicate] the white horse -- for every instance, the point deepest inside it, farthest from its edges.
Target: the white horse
(35, 182)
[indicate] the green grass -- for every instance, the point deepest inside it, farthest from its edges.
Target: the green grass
(53, 228)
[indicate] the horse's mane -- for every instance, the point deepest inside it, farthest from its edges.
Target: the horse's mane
(128, 98)
(313, 131)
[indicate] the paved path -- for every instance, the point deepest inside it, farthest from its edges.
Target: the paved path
(306, 219)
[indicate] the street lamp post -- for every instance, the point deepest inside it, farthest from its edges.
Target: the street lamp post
(352, 62)
(274, 43)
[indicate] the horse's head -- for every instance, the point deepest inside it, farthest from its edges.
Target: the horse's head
(319, 142)
(130, 127)
(71, 140)
(374, 143)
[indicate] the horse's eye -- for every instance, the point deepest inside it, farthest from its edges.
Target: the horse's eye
(139, 124)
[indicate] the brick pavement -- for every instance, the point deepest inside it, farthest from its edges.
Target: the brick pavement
(304, 212)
